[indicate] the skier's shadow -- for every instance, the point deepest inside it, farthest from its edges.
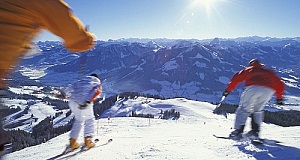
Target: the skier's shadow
(265, 152)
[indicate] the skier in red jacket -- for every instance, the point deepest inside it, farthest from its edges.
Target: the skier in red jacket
(260, 84)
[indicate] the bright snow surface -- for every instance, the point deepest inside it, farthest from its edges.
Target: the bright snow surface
(190, 137)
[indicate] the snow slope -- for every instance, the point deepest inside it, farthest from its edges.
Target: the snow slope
(190, 137)
(32, 111)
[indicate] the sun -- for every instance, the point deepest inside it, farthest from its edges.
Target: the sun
(207, 4)
(197, 7)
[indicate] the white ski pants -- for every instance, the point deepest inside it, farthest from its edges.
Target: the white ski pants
(82, 116)
(253, 100)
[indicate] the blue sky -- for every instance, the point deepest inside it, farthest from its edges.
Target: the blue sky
(186, 19)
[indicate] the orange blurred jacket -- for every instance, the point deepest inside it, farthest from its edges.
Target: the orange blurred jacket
(21, 20)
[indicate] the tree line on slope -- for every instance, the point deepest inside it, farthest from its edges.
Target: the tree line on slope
(41, 133)
(167, 114)
(282, 118)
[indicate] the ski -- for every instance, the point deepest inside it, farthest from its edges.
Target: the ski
(262, 141)
(256, 141)
(83, 148)
(67, 154)
(223, 137)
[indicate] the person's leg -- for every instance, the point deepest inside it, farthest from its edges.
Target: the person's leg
(77, 125)
(265, 94)
(247, 100)
(89, 125)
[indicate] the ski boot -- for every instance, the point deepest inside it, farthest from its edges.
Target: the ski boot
(255, 129)
(252, 134)
(73, 144)
(88, 142)
(236, 135)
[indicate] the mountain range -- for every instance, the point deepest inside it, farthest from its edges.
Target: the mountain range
(193, 69)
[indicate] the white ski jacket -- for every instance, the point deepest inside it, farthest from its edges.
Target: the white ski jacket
(86, 89)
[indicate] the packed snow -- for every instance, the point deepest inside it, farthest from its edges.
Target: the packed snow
(190, 137)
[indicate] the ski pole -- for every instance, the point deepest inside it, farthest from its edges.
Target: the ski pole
(98, 124)
(217, 107)
(222, 99)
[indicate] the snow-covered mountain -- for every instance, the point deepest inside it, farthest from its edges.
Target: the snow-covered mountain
(193, 69)
(198, 70)
(188, 69)
(190, 137)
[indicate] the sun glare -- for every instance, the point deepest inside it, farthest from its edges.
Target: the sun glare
(191, 12)
(207, 4)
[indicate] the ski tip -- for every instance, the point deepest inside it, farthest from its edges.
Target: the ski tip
(222, 137)
(97, 140)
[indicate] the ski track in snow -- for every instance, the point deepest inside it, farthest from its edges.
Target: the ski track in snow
(190, 137)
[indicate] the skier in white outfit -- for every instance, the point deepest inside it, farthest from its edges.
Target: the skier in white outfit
(81, 95)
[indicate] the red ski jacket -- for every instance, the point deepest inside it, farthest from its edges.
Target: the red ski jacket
(256, 74)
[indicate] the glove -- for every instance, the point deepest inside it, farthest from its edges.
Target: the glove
(83, 106)
(279, 102)
(225, 93)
